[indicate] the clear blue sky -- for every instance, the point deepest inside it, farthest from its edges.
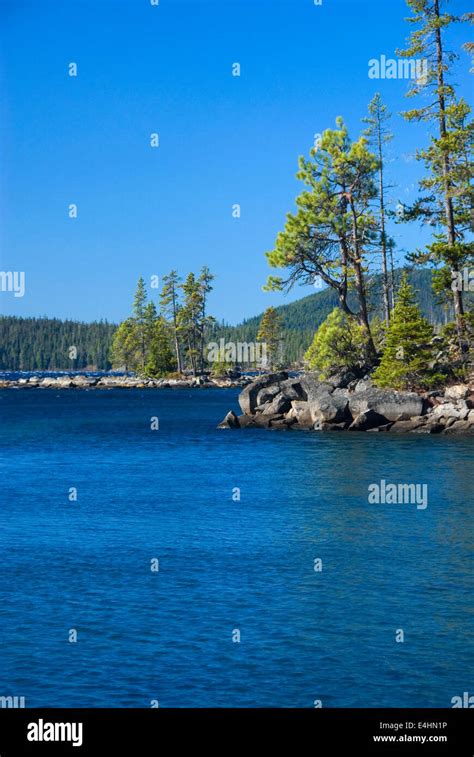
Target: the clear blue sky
(223, 139)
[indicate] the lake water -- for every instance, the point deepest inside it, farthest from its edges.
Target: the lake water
(226, 565)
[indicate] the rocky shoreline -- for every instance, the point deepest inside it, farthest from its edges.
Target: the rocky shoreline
(123, 382)
(345, 403)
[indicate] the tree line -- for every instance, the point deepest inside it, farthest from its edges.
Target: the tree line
(45, 343)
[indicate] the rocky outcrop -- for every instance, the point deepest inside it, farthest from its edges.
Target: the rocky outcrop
(345, 403)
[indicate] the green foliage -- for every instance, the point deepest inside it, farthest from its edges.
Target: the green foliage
(125, 346)
(339, 344)
(408, 357)
(334, 225)
(160, 359)
(269, 333)
(220, 368)
(169, 303)
(142, 343)
(43, 344)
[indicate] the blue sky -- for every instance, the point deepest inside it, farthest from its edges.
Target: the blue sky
(223, 139)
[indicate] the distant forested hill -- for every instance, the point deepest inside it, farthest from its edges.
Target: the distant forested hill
(44, 343)
(28, 344)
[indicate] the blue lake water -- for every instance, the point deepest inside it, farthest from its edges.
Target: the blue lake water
(226, 564)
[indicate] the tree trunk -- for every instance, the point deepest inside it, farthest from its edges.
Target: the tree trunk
(363, 314)
(448, 202)
(383, 238)
(176, 340)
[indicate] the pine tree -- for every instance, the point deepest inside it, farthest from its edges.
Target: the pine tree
(189, 319)
(139, 308)
(379, 135)
(334, 225)
(408, 355)
(269, 333)
(169, 302)
(449, 155)
(205, 279)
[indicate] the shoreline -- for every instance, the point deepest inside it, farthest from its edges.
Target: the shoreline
(83, 381)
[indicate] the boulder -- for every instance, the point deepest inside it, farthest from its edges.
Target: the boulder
(84, 381)
(279, 405)
(408, 424)
(300, 410)
(325, 406)
(246, 420)
(282, 423)
(266, 420)
(460, 427)
(342, 380)
(312, 387)
(292, 389)
(457, 392)
(267, 394)
(329, 408)
(248, 396)
(367, 420)
(458, 410)
(386, 402)
(230, 421)
(323, 426)
(363, 385)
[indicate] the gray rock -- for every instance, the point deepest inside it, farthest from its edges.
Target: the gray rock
(323, 426)
(248, 396)
(386, 402)
(458, 410)
(292, 389)
(230, 421)
(246, 420)
(460, 427)
(342, 380)
(325, 406)
(279, 405)
(301, 412)
(267, 394)
(363, 385)
(265, 421)
(282, 423)
(457, 392)
(367, 420)
(329, 408)
(410, 424)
